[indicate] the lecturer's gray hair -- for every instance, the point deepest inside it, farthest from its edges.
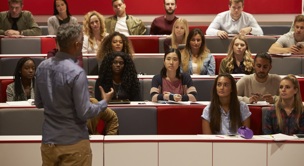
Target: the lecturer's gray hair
(67, 34)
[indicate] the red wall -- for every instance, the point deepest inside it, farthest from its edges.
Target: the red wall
(150, 7)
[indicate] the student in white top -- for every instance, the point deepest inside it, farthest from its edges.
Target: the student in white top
(290, 42)
(94, 31)
(234, 21)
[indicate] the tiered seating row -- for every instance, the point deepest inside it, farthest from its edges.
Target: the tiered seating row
(141, 119)
(267, 29)
(141, 44)
(151, 64)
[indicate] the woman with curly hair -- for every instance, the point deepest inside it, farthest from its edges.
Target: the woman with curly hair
(225, 113)
(115, 42)
(24, 80)
(239, 58)
(112, 43)
(118, 71)
(94, 31)
(196, 57)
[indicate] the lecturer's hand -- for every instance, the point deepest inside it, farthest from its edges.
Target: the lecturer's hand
(106, 96)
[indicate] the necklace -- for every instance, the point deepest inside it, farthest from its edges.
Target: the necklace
(117, 88)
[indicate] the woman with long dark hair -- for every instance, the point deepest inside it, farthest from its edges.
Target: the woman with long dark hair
(61, 16)
(24, 80)
(171, 84)
(225, 114)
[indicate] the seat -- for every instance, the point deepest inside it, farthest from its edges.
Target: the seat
(148, 66)
(264, 113)
(179, 120)
(8, 65)
(20, 46)
(145, 44)
(146, 87)
(44, 30)
(3, 86)
(21, 121)
(217, 45)
(47, 44)
(203, 88)
(218, 60)
(137, 121)
(275, 29)
(201, 27)
(260, 44)
(282, 65)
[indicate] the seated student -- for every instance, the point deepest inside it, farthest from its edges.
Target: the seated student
(225, 114)
(170, 84)
(234, 21)
(94, 31)
(61, 16)
(239, 58)
(118, 71)
(162, 25)
(122, 22)
(289, 42)
(196, 57)
(24, 79)
(287, 116)
(114, 42)
(108, 116)
(260, 86)
(16, 22)
(180, 31)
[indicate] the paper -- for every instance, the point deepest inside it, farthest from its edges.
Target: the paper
(260, 103)
(285, 54)
(282, 137)
(29, 102)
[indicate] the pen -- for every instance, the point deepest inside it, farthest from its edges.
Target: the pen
(219, 136)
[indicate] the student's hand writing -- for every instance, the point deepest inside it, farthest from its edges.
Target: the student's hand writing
(268, 98)
(106, 96)
(254, 98)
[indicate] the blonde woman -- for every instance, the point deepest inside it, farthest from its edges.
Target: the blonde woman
(287, 116)
(196, 57)
(94, 31)
(180, 31)
(239, 58)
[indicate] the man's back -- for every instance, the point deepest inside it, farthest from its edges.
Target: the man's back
(62, 91)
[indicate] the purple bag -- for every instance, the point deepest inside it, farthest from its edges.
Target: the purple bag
(245, 132)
